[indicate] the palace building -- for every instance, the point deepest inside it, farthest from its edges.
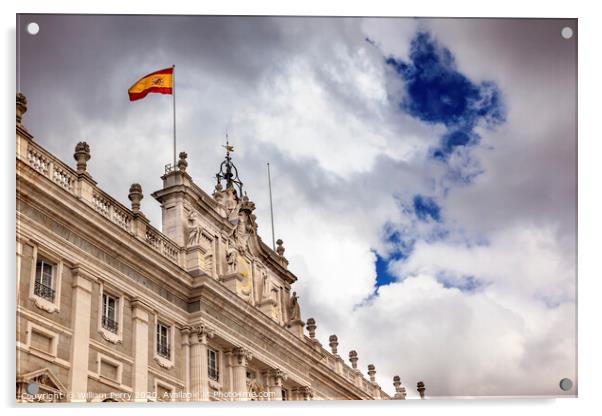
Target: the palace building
(110, 308)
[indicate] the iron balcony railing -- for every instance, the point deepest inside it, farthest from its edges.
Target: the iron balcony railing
(213, 374)
(110, 324)
(163, 350)
(43, 291)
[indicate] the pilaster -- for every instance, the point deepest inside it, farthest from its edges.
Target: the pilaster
(140, 318)
(81, 302)
(185, 333)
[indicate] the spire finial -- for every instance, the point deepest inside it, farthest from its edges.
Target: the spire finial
(229, 147)
(227, 170)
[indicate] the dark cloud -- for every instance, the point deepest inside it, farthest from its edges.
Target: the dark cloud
(320, 103)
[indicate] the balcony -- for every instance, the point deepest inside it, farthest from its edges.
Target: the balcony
(43, 291)
(213, 374)
(110, 324)
(164, 351)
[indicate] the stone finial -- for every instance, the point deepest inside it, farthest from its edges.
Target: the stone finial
(135, 196)
(400, 391)
(311, 327)
(420, 387)
(21, 107)
(333, 341)
(182, 163)
(372, 373)
(81, 156)
(280, 248)
(353, 358)
(247, 205)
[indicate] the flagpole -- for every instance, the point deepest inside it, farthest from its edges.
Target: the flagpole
(174, 115)
(271, 207)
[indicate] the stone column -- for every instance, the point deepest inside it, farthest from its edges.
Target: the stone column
(140, 318)
(199, 379)
(278, 377)
(306, 392)
(81, 304)
(185, 332)
(241, 357)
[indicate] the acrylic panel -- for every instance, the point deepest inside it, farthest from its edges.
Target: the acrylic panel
(239, 208)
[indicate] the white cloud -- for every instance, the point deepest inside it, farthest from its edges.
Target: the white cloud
(316, 100)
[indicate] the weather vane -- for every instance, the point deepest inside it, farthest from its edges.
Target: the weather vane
(227, 170)
(229, 148)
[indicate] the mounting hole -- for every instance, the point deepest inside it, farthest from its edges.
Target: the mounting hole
(566, 384)
(33, 28)
(566, 33)
(32, 388)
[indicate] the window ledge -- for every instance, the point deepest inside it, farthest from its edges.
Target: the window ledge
(44, 304)
(164, 362)
(110, 336)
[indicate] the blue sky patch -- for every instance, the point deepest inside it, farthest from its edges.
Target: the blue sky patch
(463, 283)
(426, 208)
(400, 249)
(436, 92)
(383, 276)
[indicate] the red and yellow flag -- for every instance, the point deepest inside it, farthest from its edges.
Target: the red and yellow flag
(159, 81)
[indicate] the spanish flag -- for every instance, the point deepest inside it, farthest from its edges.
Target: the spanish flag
(159, 81)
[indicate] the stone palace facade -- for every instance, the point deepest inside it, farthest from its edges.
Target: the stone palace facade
(109, 308)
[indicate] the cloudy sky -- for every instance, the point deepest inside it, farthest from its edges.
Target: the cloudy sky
(423, 170)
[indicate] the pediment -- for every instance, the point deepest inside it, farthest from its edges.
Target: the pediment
(45, 378)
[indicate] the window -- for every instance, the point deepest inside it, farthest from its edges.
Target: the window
(109, 313)
(109, 369)
(212, 367)
(44, 281)
(163, 340)
(164, 392)
(40, 339)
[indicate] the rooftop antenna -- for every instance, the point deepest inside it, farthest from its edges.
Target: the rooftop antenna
(271, 207)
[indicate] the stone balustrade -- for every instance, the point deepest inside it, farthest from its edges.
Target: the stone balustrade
(162, 244)
(70, 180)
